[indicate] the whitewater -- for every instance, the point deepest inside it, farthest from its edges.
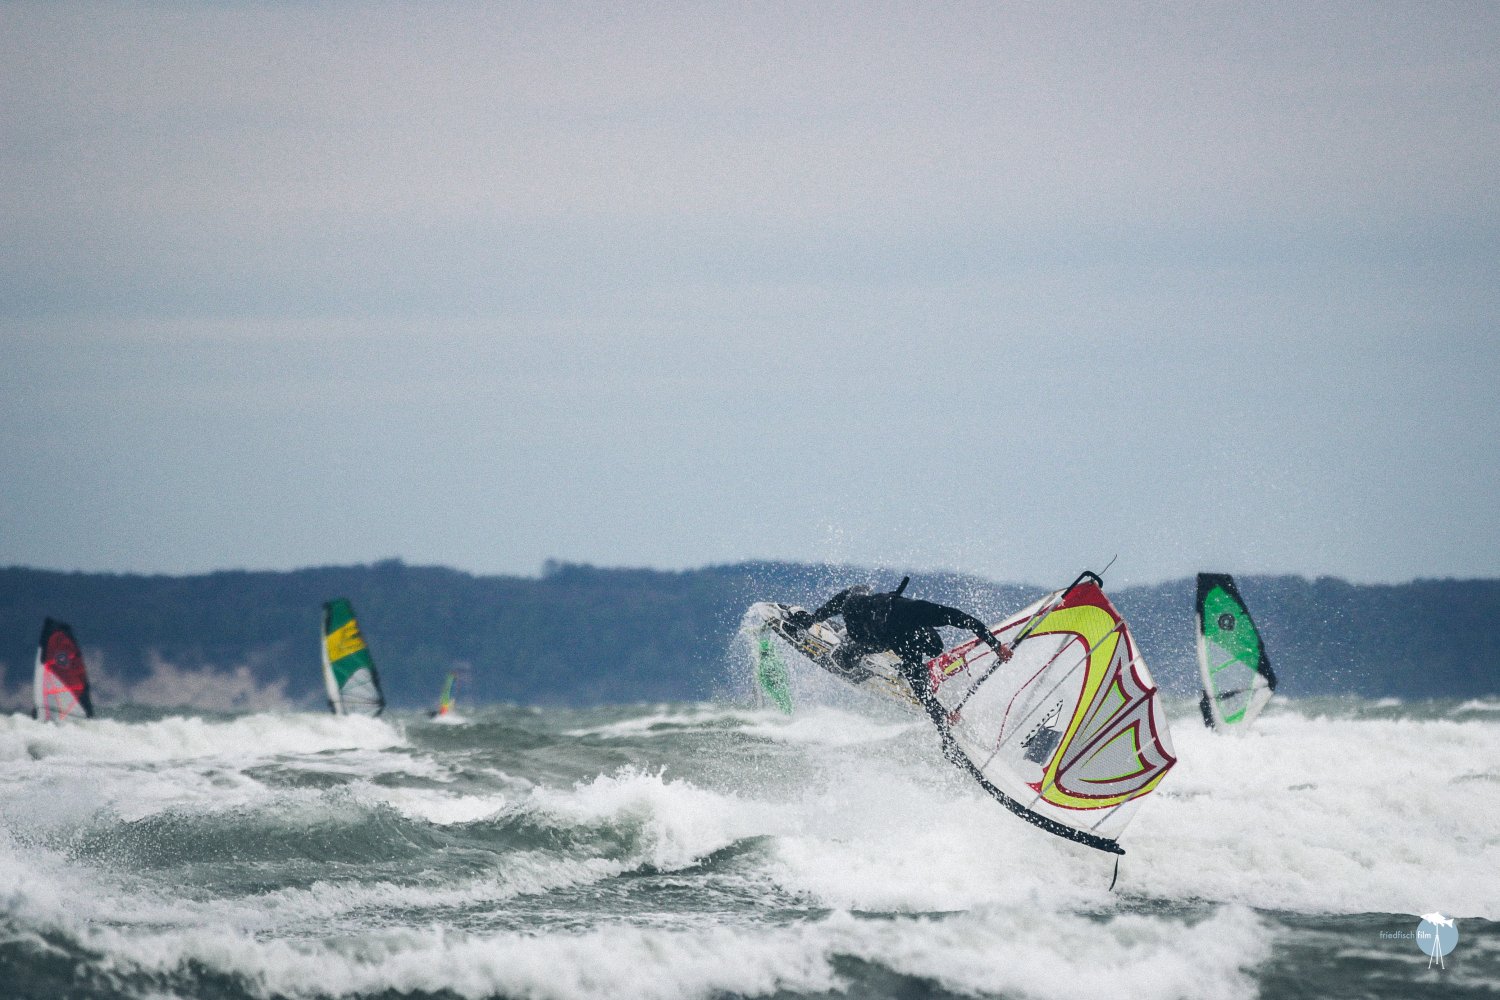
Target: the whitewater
(721, 850)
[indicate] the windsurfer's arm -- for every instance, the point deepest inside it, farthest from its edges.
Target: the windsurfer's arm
(833, 606)
(806, 619)
(941, 614)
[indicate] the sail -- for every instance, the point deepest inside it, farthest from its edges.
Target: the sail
(1069, 734)
(771, 676)
(348, 670)
(61, 683)
(445, 698)
(1237, 675)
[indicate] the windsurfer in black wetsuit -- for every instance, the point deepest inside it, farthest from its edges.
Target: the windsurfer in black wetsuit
(905, 626)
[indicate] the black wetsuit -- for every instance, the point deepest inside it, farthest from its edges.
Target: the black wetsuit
(906, 627)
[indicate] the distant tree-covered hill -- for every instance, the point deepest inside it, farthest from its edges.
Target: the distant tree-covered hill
(584, 635)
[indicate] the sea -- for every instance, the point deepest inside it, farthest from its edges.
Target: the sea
(725, 850)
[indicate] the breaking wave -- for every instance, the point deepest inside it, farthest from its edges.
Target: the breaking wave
(711, 850)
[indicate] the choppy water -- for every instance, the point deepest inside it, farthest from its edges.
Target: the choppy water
(714, 851)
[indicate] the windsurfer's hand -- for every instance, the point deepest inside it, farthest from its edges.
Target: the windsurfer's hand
(800, 620)
(1004, 653)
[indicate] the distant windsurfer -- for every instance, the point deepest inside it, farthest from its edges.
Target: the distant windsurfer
(905, 626)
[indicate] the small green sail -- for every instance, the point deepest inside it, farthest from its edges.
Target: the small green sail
(771, 675)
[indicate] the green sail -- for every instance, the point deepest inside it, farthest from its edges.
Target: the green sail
(1236, 672)
(771, 674)
(348, 669)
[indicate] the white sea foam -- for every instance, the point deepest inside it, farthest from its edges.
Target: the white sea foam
(65, 794)
(370, 763)
(450, 719)
(1326, 815)
(988, 952)
(1317, 815)
(1309, 813)
(63, 777)
(46, 890)
(917, 842)
(819, 725)
(311, 909)
(664, 720)
(437, 806)
(179, 737)
(679, 822)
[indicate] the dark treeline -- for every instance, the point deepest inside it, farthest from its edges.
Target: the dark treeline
(583, 635)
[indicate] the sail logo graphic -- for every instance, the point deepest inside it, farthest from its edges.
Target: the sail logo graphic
(1043, 739)
(344, 641)
(1437, 935)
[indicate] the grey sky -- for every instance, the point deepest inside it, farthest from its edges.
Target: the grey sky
(997, 288)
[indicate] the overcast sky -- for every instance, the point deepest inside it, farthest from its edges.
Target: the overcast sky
(998, 288)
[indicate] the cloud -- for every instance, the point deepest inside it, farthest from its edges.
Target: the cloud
(267, 121)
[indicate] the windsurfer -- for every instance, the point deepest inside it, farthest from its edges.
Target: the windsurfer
(905, 626)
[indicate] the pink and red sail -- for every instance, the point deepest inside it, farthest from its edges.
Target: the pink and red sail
(61, 685)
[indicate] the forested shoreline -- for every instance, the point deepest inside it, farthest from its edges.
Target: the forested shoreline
(583, 635)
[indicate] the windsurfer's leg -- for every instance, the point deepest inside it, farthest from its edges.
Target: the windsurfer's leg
(917, 680)
(847, 655)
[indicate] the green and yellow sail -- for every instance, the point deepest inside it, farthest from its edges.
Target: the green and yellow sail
(348, 669)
